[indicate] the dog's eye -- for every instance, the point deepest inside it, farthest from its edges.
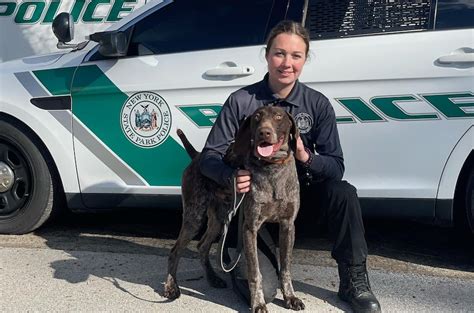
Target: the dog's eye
(257, 117)
(278, 117)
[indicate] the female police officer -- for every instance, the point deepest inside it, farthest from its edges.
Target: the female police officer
(319, 156)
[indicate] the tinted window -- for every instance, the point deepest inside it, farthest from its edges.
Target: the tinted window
(189, 25)
(342, 18)
(455, 14)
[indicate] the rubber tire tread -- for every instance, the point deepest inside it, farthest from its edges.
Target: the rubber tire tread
(469, 204)
(39, 206)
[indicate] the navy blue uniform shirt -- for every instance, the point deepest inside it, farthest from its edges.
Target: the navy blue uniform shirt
(314, 117)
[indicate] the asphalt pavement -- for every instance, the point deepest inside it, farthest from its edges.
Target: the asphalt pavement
(117, 263)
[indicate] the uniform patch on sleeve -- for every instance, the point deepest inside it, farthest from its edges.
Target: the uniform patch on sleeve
(304, 122)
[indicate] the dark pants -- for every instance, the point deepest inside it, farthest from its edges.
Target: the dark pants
(332, 205)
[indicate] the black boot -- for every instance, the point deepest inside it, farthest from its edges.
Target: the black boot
(354, 287)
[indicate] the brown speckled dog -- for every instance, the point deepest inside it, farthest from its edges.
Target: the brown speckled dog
(264, 145)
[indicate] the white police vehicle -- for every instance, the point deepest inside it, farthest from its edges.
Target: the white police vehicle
(96, 125)
(26, 24)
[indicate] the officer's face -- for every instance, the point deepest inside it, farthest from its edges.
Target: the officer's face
(285, 58)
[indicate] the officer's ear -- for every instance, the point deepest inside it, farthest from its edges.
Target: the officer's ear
(243, 138)
(294, 133)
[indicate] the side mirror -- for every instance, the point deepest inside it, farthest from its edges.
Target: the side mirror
(111, 44)
(63, 27)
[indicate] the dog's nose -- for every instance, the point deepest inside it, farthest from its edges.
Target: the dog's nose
(265, 133)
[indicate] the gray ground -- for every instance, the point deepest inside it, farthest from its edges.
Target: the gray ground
(117, 263)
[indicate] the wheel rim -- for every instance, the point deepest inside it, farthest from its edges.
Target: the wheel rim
(7, 177)
(15, 179)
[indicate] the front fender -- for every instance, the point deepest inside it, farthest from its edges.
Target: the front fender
(54, 130)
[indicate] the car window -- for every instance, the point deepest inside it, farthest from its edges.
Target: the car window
(190, 25)
(455, 14)
(335, 19)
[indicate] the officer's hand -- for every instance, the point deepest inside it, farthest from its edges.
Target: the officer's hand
(244, 179)
(301, 154)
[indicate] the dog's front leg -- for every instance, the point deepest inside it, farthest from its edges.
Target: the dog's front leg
(287, 239)
(257, 300)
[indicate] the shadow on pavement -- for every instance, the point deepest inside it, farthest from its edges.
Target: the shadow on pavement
(143, 262)
(135, 234)
(441, 247)
(408, 241)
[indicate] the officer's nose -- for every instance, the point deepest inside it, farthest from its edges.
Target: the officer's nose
(286, 61)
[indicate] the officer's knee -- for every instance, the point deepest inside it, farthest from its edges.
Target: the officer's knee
(341, 190)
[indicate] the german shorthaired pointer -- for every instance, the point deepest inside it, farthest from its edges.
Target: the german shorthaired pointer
(264, 145)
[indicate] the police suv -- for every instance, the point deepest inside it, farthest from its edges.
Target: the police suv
(96, 125)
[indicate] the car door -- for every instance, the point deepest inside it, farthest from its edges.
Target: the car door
(402, 86)
(183, 61)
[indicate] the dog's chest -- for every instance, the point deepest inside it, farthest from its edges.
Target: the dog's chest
(274, 183)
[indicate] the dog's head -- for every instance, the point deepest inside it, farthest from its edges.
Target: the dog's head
(269, 134)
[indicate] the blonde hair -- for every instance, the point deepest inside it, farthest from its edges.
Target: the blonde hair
(288, 27)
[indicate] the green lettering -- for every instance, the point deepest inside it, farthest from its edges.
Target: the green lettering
(90, 11)
(77, 9)
(444, 103)
(7, 8)
(360, 109)
(21, 16)
(201, 115)
(388, 105)
(52, 10)
(344, 119)
(118, 8)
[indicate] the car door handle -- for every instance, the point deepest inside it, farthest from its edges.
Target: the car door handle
(459, 57)
(230, 69)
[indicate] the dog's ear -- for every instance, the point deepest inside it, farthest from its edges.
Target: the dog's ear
(243, 138)
(294, 133)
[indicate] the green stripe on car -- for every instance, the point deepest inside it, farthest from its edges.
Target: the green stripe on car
(97, 102)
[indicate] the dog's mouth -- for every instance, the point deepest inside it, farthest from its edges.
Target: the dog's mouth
(266, 149)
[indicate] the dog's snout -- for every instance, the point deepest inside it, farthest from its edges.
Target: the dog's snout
(265, 133)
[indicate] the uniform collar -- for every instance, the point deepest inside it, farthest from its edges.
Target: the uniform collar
(293, 98)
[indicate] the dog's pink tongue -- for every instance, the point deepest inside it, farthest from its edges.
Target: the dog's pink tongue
(265, 151)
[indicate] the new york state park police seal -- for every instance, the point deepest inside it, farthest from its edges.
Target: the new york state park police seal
(146, 119)
(304, 122)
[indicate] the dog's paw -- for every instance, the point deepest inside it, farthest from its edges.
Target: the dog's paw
(171, 292)
(171, 289)
(262, 308)
(294, 303)
(216, 282)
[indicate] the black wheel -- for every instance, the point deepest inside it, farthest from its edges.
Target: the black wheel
(26, 184)
(470, 200)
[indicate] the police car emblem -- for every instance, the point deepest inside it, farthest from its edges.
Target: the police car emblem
(146, 119)
(304, 122)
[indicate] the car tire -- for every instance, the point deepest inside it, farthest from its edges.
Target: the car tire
(26, 182)
(469, 204)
